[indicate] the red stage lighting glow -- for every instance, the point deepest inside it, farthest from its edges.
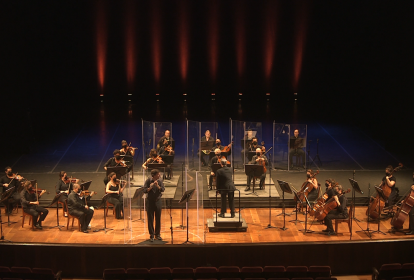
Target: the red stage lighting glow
(156, 41)
(101, 42)
(240, 38)
(301, 25)
(213, 38)
(183, 40)
(130, 44)
(270, 38)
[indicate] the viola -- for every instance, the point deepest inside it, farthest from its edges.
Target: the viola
(38, 191)
(331, 204)
(374, 212)
(306, 188)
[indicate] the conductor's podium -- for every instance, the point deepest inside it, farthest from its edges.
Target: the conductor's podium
(227, 223)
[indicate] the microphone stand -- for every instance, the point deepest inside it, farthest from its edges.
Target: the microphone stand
(182, 193)
(171, 223)
(368, 231)
(270, 196)
(353, 199)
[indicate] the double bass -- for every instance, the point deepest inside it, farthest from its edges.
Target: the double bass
(306, 188)
(373, 204)
(404, 210)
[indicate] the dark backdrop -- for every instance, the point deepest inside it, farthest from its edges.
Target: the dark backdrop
(350, 63)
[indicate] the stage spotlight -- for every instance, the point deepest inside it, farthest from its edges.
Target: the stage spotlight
(267, 93)
(213, 94)
(240, 93)
(184, 93)
(129, 93)
(157, 94)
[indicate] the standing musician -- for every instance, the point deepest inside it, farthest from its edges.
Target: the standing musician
(390, 180)
(115, 195)
(30, 203)
(79, 208)
(154, 187)
(225, 187)
(9, 181)
(113, 162)
(126, 149)
(296, 150)
(207, 137)
(64, 186)
(215, 159)
(314, 194)
(257, 159)
(341, 212)
(168, 138)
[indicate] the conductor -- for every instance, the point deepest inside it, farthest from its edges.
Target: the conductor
(225, 187)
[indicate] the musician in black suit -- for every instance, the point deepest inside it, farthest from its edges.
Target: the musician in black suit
(224, 181)
(154, 187)
(341, 212)
(257, 159)
(78, 208)
(297, 148)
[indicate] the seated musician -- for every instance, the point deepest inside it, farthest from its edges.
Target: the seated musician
(390, 180)
(8, 182)
(257, 159)
(155, 158)
(206, 138)
(64, 186)
(30, 204)
(296, 150)
(411, 217)
(251, 147)
(114, 161)
(168, 138)
(314, 194)
(115, 196)
(341, 212)
(215, 159)
(126, 149)
(329, 184)
(78, 207)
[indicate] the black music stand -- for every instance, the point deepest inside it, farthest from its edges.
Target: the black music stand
(253, 170)
(55, 201)
(296, 210)
(284, 186)
(5, 197)
(119, 171)
(168, 159)
(103, 203)
(355, 188)
(138, 195)
(306, 230)
(250, 155)
(381, 195)
(159, 166)
(186, 198)
(206, 145)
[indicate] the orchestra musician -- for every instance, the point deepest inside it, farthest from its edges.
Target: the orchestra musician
(126, 149)
(296, 150)
(30, 203)
(154, 187)
(115, 196)
(114, 161)
(314, 194)
(257, 159)
(411, 217)
(341, 212)
(166, 140)
(78, 207)
(251, 147)
(206, 138)
(9, 181)
(155, 158)
(225, 187)
(215, 159)
(330, 184)
(390, 180)
(64, 186)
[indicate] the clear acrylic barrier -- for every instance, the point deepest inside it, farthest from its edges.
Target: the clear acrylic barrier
(212, 127)
(196, 224)
(192, 145)
(159, 131)
(280, 145)
(297, 152)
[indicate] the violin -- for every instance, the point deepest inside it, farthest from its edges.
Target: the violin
(157, 159)
(169, 149)
(38, 191)
(331, 204)
(307, 187)
(373, 205)
(68, 180)
(15, 176)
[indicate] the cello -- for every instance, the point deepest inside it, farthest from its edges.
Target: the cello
(331, 204)
(306, 188)
(373, 205)
(404, 210)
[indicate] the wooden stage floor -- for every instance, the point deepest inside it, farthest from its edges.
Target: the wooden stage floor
(257, 220)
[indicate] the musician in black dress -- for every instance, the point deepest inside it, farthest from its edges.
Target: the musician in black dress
(390, 180)
(341, 212)
(154, 187)
(257, 159)
(11, 182)
(206, 138)
(30, 204)
(115, 195)
(215, 159)
(297, 148)
(314, 194)
(225, 187)
(116, 160)
(126, 149)
(78, 208)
